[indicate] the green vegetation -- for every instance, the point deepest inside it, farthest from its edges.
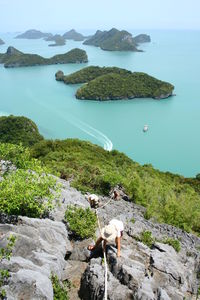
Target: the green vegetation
(172, 242)
(146, 238)
(18, 130)
(15, 58)
(82, 222)
(112, 40)
(124, 86)
(89, 73)
(23, 192)
(60, 291)
(173, 200)
(5, 253)
(112, 83)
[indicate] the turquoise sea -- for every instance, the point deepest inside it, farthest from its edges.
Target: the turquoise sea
(173, 140)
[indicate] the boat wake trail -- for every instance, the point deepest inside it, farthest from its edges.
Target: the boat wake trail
(68, 118)
(98, 135)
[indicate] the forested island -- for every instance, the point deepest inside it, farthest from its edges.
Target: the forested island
(15, 58)
(33, 34)
(115, 40)
(57, 39)
(2, 42)
(112, 83)
(73, 35)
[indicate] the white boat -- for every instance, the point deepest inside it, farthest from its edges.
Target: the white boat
(145, 128)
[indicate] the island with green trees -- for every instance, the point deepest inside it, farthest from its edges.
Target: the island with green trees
(113, 40)
(112, 83)
(19, 130)
(57, 39)
(2, 42)
(15, 58)
(73, 35)
(33, 34)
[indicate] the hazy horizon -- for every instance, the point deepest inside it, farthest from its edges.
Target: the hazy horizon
(61, 15)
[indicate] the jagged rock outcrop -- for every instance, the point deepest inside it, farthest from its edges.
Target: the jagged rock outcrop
(45, 246)
(40, 249)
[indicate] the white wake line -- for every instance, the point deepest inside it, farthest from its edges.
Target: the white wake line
(98, 135)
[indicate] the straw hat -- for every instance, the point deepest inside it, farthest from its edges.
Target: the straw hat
(109, 233)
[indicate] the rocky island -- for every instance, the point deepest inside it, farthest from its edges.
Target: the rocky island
(73, 35)
(114, 83)
(2, 42)
(33, 34)
(57, 39)
(113, 40)
(15, 58)
(142, 38)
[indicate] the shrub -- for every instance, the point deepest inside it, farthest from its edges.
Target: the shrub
(173, 242)
(23, 191)
(59, 290)
(146, 238)
(81, 221)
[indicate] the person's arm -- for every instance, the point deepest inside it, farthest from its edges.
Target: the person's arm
(118, 246)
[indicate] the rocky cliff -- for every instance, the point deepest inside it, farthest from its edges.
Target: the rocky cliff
(45, 246)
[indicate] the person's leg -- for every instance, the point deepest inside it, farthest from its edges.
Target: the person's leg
(98, 242)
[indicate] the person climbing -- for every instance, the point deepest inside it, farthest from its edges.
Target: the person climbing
(110, 233)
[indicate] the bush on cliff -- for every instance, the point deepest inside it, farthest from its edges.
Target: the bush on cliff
(82, 222)
(22, 192)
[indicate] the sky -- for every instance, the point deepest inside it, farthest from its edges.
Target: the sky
(20, 15)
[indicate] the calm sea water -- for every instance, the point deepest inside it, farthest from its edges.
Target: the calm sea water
(173, 140)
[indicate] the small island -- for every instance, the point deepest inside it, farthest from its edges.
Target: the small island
(113, 40)
(142, 38)
(2, 42)
(116, 84)
(15, 58)
(57, 39)
(33, 34)
(73, 35)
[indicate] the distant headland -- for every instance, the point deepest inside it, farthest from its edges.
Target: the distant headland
(15, 58)
(115, 40)
(112, 83)
(33, 34)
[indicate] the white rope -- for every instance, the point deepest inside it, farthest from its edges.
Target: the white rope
(104, 255)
